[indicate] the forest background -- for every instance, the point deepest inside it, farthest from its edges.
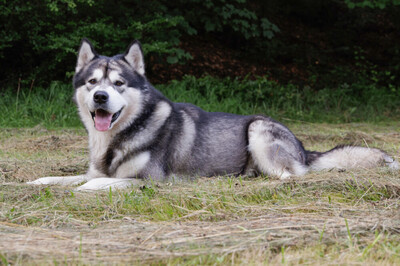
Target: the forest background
(335, 61)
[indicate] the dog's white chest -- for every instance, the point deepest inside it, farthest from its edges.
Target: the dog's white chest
(133, 166)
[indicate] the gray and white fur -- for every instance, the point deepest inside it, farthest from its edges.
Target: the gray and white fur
(136, 133)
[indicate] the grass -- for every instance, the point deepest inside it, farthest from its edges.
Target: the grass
(327, 217)
(28, 107)
(53, 107)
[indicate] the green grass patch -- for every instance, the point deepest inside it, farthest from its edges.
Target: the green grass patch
(53, 107)
(348, 103)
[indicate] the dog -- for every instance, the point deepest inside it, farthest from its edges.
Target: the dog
(136, 133)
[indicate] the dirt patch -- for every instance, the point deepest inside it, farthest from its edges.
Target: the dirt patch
(43, 140)
(32, 153)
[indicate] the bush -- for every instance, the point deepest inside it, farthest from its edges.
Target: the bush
(39, 39)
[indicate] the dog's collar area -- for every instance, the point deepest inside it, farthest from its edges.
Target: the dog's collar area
(103, 120)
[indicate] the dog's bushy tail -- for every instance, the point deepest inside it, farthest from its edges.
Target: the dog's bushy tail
(350, 157)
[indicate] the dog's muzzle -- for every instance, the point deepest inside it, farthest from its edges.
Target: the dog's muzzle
(100, 97)
(102, 118)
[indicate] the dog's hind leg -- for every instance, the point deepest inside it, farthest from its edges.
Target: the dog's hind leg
(275, 150)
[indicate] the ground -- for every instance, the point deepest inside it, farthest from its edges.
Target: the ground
(337, 217)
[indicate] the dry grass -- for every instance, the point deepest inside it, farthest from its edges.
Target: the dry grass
(333, 217)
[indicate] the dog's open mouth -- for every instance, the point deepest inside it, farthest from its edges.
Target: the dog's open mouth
(103, 119)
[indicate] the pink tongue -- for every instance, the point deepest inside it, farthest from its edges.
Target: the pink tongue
(102, 120)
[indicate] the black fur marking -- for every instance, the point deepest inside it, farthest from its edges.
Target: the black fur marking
(167, 135)
(137, 125)
(125, 135)
(311, 156)
(106, 69)
(80, 77)
(159, 138)
(134, 81)
(109, 156)
(133, 78)
(154, 148)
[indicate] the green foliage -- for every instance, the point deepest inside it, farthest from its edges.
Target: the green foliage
(362, 74)
(53, 107)
(228, 17)
(40, 38)
(44, 196)
(371, 3)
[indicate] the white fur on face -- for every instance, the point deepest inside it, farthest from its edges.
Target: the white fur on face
(131, 100)
(81, 96)
(114, 76)
(98, 141)
(115, 101)
(97, 74)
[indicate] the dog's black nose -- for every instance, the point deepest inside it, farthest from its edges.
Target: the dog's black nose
(100, 97)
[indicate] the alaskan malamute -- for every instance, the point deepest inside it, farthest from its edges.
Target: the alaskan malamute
(136, 133)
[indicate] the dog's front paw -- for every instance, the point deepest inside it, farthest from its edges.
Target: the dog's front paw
(59, 180)
(105, 183)
(46, 181)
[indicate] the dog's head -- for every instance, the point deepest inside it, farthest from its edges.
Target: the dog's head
(109, 89)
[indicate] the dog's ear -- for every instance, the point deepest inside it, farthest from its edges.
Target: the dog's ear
(134, 57)
(85, 55)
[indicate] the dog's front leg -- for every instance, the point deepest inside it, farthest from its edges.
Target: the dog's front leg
(61, 180)
(104, 183)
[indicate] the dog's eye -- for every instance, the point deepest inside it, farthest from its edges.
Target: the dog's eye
(92, 81)
(118, 83)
